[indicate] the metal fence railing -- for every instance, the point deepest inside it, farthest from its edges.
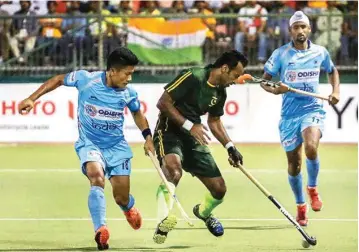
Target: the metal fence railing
(87, 45)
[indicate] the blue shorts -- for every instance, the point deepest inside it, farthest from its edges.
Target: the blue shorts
(115, 161)
(290, 129)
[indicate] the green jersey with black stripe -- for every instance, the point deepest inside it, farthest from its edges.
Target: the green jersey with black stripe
(194, 96)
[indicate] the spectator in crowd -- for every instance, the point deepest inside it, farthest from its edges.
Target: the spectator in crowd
(74, 34)
(23, 30)
(200, 7)
(252, 29)
(177, 8)
(107, 27)
(151, 8)
(229, 7)
(118, 32)
(335, 29)
(277, 27)
(4, 29)
(349, 38)
(50, 32)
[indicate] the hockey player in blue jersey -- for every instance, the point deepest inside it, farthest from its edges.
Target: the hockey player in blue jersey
(101, 147)
(298, 64)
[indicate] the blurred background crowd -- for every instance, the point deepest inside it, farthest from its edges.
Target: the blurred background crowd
(49, 33)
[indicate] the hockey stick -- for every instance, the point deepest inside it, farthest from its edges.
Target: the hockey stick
(247, 77)
(163, 177)
(310, 239)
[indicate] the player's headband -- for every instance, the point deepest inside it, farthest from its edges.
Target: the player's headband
(298, 16)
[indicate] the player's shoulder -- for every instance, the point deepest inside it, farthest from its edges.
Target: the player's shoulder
(198, 73)
(83, 74)
(131, 91)
(283, 48)
(318, 48)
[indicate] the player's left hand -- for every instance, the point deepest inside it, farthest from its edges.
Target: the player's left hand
(149, 146)
(235, 157)
(334, 98)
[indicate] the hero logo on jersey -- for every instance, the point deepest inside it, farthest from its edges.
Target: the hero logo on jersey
(290, 76)
(102, 113)
(302, 75)
(90, 110)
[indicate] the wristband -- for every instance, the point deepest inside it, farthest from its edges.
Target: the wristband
(187, 125)
(229, 145)
(146, 132)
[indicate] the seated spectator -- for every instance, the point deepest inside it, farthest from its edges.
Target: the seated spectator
(229, 7)
(335, 29)
(4, 29)
(107, 28)
(277, 27)
(118, 32)
(23, 30)
(177, 8)
(349, 39)
(252, 29)
(50, 31)
(209, 44)
(151, 8)
(74, 32)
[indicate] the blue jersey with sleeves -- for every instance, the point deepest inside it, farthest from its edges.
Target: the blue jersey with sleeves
(299, 69)
(101, 108)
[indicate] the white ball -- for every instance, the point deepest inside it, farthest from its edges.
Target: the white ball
(305, 244)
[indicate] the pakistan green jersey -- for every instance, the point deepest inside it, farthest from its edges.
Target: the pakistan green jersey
(194, 96)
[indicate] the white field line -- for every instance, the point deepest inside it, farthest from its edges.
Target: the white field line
(153, 170)
(193, 219)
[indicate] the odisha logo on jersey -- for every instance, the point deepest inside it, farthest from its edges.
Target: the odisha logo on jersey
(308, 74)
(290, 76)
(91, 110)
(109, 113)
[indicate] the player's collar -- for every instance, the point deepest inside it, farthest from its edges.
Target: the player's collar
(210, 84)
(309, 44)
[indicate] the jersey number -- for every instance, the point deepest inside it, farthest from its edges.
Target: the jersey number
(315, 119)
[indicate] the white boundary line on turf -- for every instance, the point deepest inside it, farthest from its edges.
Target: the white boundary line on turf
(153, 170)
(154, 219)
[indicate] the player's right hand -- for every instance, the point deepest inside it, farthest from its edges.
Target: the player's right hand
(235, 157)
(25, 106)
(281, 89)
(198, 131)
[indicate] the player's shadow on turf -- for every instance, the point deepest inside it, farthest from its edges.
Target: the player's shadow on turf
(94, 249)
(246, 228)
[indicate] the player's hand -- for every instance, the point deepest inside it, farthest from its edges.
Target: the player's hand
(149, 146)
(281, 89)
(334, 98)
(198, 131)
(25, 106)
(235, 157)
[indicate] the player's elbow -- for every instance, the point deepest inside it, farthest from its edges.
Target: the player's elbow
(163, 102)
(161, 105)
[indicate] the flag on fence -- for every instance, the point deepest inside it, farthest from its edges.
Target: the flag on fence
(156, 41)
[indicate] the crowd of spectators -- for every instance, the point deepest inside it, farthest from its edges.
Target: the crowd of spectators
(59, 38)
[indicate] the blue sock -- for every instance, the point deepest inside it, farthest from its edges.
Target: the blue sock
(97, 206)
(313, 170)
(297, 188)
(131, 203)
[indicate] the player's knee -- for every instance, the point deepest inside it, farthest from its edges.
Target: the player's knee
(95, 174)
(311, 151)
(219, 191)
(294, 168)
(121, 200)
(174, 170)
(97, 181)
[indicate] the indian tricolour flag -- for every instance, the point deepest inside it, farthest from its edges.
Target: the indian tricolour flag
(157, 41)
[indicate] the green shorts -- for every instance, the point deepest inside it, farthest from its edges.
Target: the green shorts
(195, 158)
